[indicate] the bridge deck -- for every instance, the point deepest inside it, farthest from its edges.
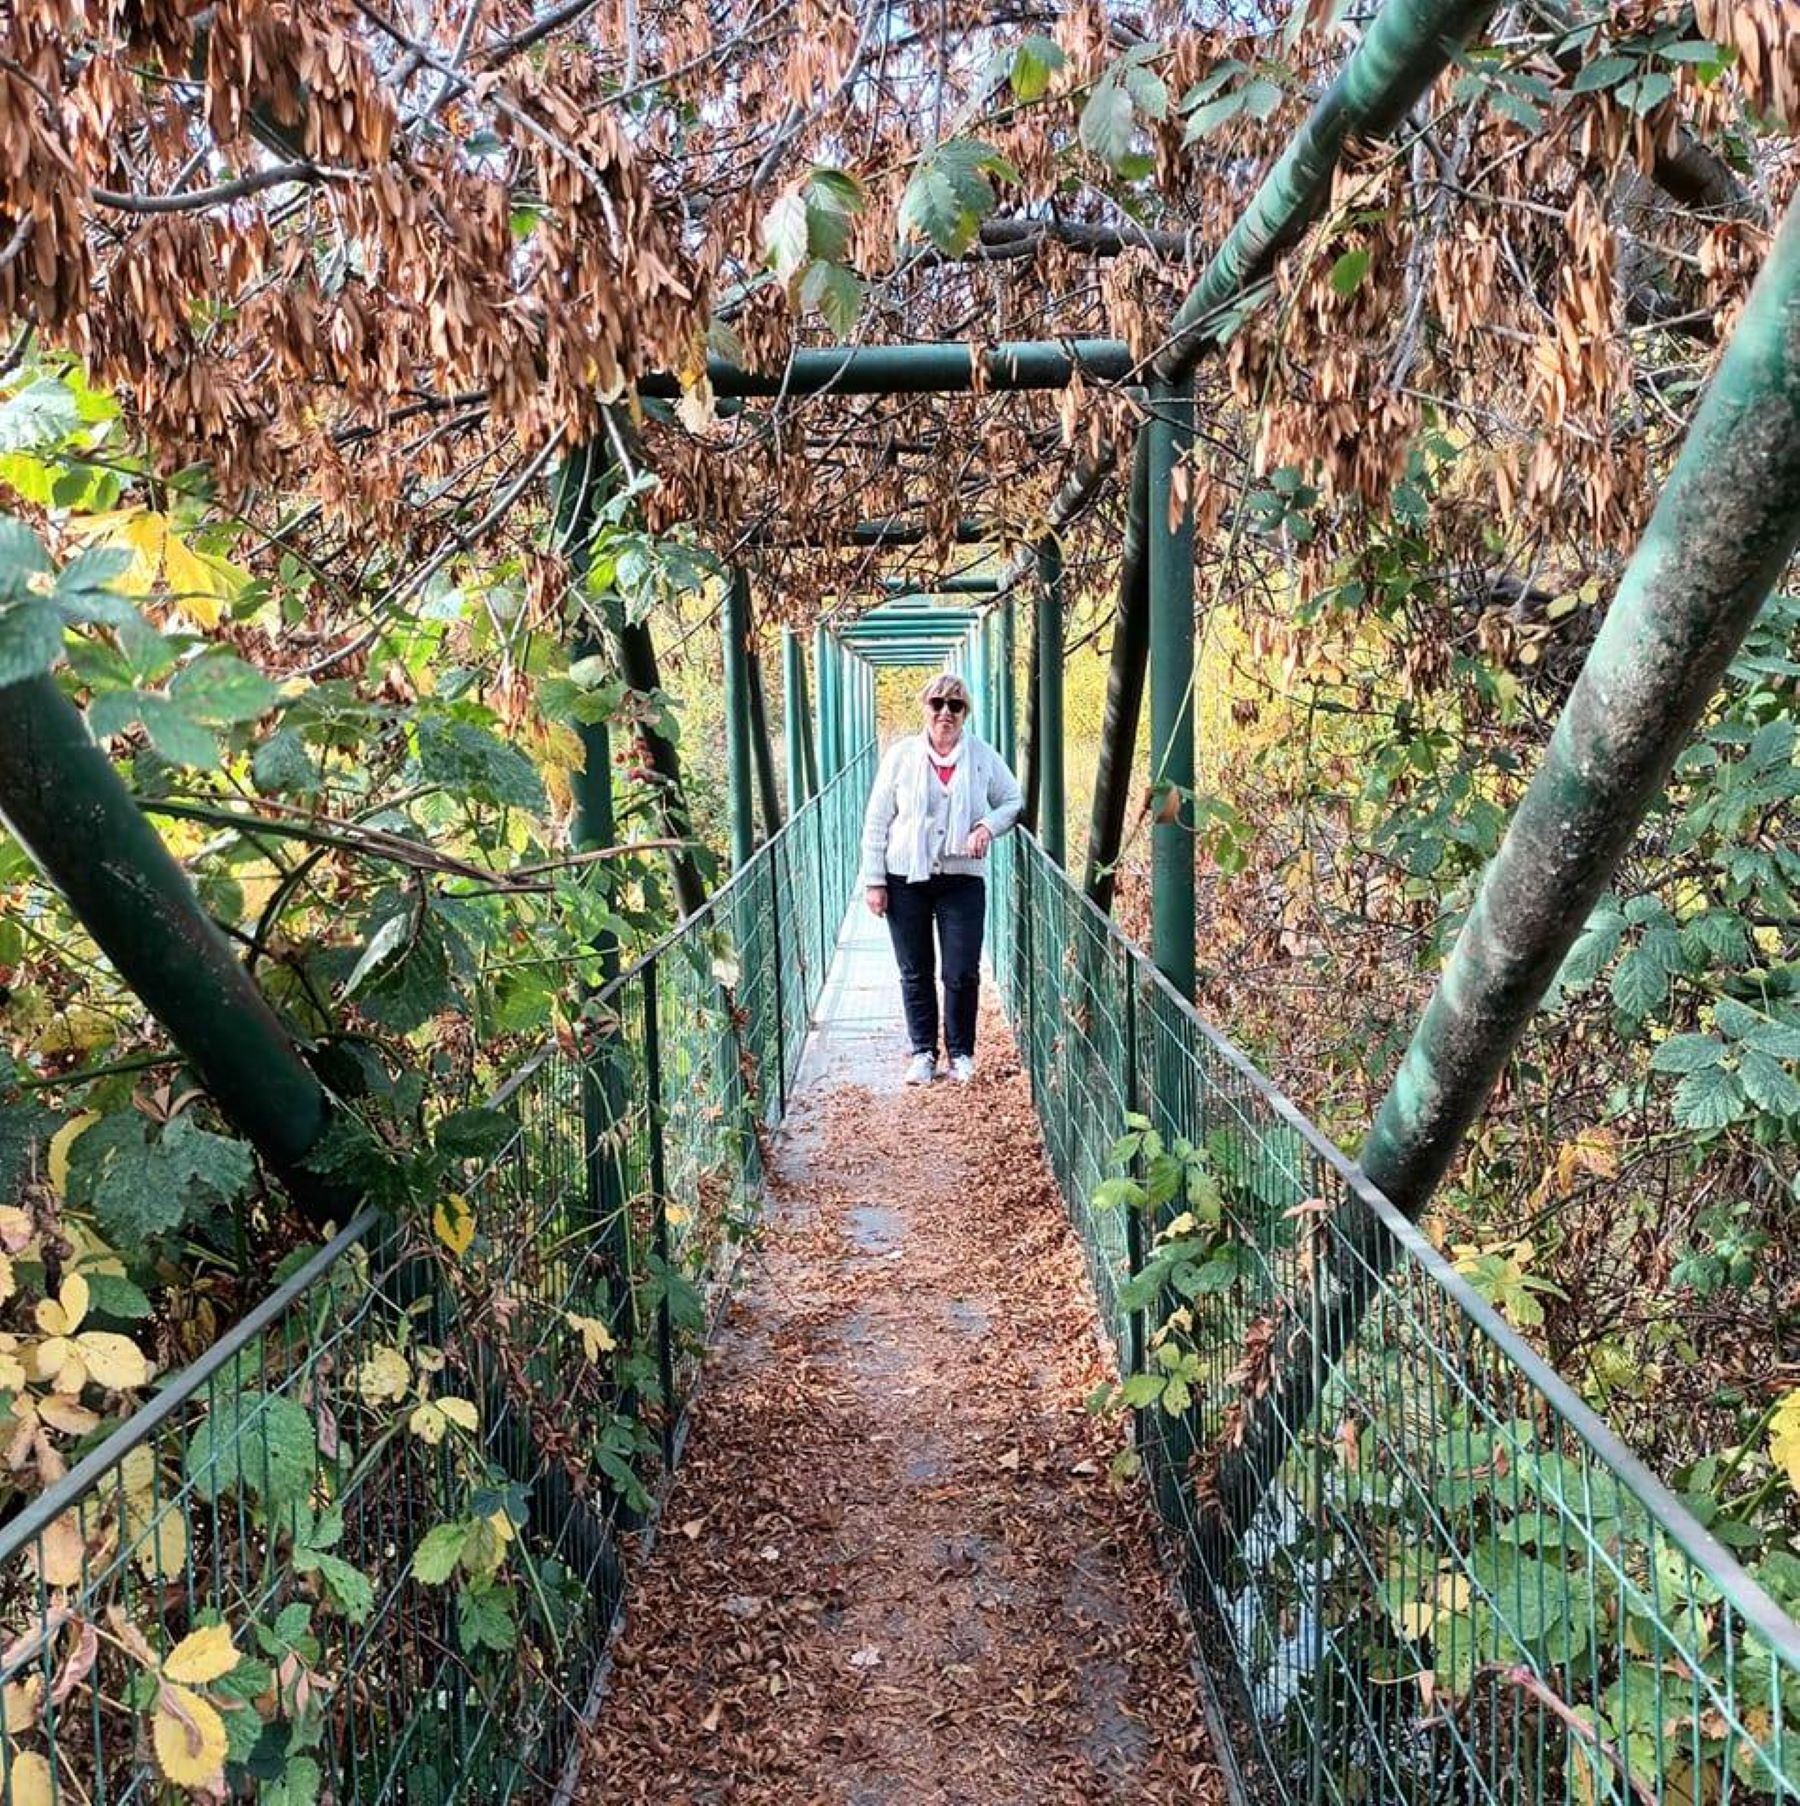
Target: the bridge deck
(893, 1568)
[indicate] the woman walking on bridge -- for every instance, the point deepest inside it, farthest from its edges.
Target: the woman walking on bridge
(941, 799)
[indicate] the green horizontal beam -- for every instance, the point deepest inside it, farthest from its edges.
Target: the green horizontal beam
(903, 588)
(918, 369)
(1407, 46)
(971, 530)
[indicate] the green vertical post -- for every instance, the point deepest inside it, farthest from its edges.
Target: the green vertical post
(1171, 545)
(577, 489)
(1052, 786)
(1007, 630)
(794, 725)
(735, 626)
(824, 670)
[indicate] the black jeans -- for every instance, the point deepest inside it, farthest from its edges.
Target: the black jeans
(955, 905)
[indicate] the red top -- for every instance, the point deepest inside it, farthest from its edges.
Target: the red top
(945, 772)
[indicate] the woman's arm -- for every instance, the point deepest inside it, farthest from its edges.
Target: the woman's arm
(878, 818)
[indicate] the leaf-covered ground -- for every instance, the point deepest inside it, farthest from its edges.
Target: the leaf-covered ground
(893, 1567)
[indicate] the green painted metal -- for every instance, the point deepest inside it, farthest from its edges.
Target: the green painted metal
(795, 725)
(1127, 664)
(1724, 528)
(1053, 796)
(962, 585)
(734, 624)
(1006, 632)
(822, 661)
(970, 530)
(762, 742)
(1406, 47)
(69, 809)
(1562, 1591)
(1171, 560)
(918, 369)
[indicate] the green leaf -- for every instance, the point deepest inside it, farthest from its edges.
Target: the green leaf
(785, 234)
(1640, 986)
(219, 690)
(1118, 1194)
(1349, 270)
(1516, 108)
(1687, 1053)
(1107, 123)
(475, 1134)
(255, 1442)
(42, 415)
(484, 1620)
(834, 292)
(1708, 1100)
(298, 1784)
(140, 1189)
(931, 209)
(31, 630)
(1262, 96)
(468, 761)
(283, 766)
(436, 1557)
(347, 1587)
(1768, 1034)
(1149, 92)
(112, 1295)
(1033, 64)
(1647, 92)
(1768, 1084)
(1602, 72)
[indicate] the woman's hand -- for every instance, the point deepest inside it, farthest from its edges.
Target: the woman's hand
(876, 898)
(979, 841)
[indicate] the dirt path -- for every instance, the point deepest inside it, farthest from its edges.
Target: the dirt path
(893, 1570)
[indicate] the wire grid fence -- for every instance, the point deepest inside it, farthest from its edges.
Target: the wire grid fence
(404, 1484)
(1420, 1568)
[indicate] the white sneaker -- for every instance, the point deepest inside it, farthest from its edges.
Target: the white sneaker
(921, 1069)
(962, 1068)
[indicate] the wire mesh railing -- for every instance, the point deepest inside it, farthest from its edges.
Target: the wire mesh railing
(1454, 1583)
(372, 1545)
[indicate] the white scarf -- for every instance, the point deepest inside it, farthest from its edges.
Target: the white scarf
(916, 776)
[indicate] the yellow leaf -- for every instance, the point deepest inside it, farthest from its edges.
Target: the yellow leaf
(190, 1738)
(63, 1413)
(202, 1656)
(62, 1315)
(21, 1704)
(460, 1412)
(1784, 1437)
(114, 1362)
(384, 1377)
(193, 584)
(59, 1551)
(1417, 1616)
(16, 1228)
(429, 1424)
(137, 1472)
(454, 1221)
(60, 1143)
(30, 1779)
(8, 1285)
(596, 1338)
(161, 1549)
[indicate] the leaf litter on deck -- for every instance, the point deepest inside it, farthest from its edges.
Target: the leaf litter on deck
(902, 1575)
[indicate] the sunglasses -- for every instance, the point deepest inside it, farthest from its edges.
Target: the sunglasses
(954, 704)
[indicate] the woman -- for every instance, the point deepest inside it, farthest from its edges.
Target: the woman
(940, 801)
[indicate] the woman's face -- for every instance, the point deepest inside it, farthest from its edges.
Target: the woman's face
(944, 724)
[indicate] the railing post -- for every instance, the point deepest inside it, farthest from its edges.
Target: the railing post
(793, 718)
(1052, 778)
(1134, 1219)
(734, 624)
(1171, 689)
(659, 1205)
(776, 848)
(1008, 634)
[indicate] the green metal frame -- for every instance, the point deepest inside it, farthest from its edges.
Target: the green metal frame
(734, 633)
(920, 369)
(1052, 776)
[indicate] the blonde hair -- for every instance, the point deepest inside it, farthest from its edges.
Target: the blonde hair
(947, 683)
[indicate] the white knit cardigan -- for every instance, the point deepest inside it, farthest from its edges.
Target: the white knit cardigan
(995, 793)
